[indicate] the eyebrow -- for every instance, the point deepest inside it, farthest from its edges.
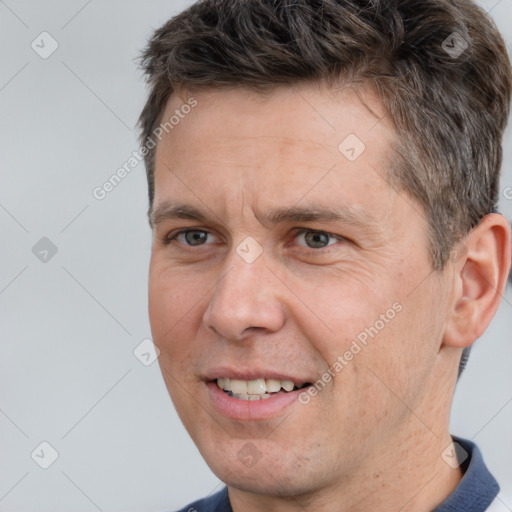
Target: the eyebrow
(314, 213)
(168, 211)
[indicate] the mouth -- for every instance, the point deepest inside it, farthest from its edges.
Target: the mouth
(257, 389)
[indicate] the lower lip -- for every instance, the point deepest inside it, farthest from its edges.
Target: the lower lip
(248, 410)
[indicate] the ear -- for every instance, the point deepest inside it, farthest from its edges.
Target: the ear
(479, 281)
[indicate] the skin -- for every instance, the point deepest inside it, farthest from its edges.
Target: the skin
(372, 439)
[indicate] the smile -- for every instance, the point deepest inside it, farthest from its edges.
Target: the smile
(257, 389)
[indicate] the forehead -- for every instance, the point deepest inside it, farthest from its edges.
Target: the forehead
(295, 141)
(311, 123)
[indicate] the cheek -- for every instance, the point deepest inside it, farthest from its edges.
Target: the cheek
(342, 312)
(368, 340)
(174, 304)
(173, 314)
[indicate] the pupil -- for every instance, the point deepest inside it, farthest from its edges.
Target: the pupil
(195, 237)
(316, 240)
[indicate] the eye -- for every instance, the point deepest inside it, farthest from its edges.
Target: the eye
(192, 237)
(315, 239)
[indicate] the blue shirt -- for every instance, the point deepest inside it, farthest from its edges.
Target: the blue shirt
(475, 492)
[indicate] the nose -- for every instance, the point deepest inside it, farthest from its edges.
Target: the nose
(246, 299)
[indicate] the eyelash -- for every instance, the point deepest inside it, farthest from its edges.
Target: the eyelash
(301, 231)
(297, 232)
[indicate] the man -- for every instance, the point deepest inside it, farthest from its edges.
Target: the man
(323, 180)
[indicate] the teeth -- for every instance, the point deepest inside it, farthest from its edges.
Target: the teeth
(254, 389)
(223, 383)
(244, 396)
(288, 385)
(273, 385)
(238, 386)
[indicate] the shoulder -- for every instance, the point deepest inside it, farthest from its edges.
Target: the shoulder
(218, 502)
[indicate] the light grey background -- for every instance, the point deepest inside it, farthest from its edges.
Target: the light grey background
(69, 326)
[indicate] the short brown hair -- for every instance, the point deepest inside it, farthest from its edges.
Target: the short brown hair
(440, 67)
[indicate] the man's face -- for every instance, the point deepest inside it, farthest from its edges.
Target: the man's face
(298, 255)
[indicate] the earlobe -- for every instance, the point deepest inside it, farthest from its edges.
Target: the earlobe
(479, 281)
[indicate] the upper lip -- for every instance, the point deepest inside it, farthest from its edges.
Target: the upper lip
(251, 374)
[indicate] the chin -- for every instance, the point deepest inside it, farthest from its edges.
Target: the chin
(269, 476)
(266, 482)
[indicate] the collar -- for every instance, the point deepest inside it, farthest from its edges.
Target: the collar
(477, 489)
